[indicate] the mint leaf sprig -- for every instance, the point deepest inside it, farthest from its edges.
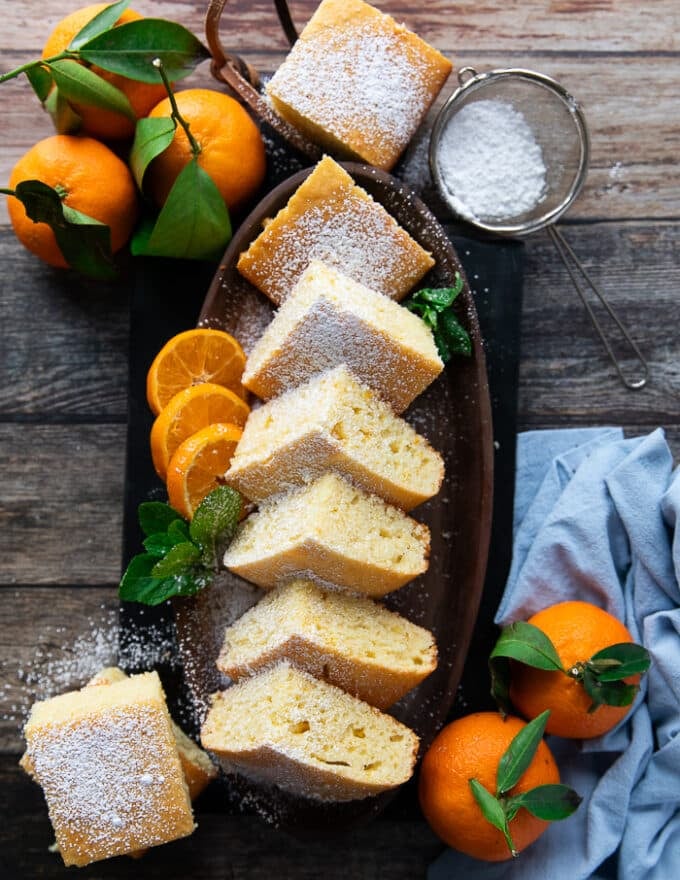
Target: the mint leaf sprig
(602, 675)
(180, 558)
(549, 802)
(434, 305)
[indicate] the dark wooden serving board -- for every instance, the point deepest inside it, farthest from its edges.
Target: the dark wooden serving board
(168, 297)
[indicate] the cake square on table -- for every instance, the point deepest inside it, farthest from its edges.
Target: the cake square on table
(107, 762)
(350, 641)
(332, 219)
(333, 532)
(308, 737)
(334, 422)
(358, 83)
(329, 319)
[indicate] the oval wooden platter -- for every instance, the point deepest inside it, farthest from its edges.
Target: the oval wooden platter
(454, 414)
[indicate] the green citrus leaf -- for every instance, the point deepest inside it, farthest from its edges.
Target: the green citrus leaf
(131, 48)
(550, 802)
(178, 560)
(81, 85)
(64, 117)
(612, 693)
(492, 810)
(155, 517)
(194, 222)
(528, 644)
(152, 137)
(214, 523)
(520, 753)
(499, 669)
(84, 242)
(41, 80)
(99, 23)
(619, 661)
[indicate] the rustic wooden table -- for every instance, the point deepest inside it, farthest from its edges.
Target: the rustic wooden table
(63, 376)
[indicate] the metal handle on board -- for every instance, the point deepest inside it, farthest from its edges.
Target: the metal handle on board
(244, 80)
(574, 265)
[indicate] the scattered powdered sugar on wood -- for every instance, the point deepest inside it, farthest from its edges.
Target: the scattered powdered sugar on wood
(490, 163)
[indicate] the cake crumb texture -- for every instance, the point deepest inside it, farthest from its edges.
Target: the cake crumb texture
(330, 319)
(332, 219)
(308, 737)
(330, 531)
(334, 422)
(350, 641)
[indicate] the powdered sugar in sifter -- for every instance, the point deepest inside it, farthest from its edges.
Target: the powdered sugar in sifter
(509, 154)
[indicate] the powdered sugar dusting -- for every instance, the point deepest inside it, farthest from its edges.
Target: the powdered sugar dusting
(110, 785)
(357, 79)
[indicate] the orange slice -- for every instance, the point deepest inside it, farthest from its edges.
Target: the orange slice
(199, 464)
(191, 358)
(188, 412)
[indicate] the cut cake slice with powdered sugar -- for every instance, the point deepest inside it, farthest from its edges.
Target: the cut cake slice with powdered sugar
(333, 422)
(357, 82)
(333, 532)
(332, 219)
(350, 641)
(107, 762)
(330, 319)
(308, 737)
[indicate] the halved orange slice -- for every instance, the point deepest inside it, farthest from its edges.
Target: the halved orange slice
(188, 412)
(191, 358)
(199, 464)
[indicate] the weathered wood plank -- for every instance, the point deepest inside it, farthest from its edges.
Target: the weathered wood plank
(234, 847)
(62, 503)
(52, 639)
(571, 25)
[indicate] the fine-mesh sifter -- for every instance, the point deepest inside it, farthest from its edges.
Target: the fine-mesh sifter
(557, 126)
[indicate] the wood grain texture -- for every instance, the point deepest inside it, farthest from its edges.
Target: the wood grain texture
(64, 357)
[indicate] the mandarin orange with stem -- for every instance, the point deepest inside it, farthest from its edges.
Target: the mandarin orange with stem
(472, 748)
(95, 121)
(88, 177)
(231, 149)
(578, 630)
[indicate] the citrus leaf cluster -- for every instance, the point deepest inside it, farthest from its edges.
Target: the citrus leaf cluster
(435, 307)
(549, 802)
(180, 558)
(602, 675)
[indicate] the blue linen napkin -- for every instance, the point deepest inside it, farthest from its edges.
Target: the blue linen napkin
(597, 518)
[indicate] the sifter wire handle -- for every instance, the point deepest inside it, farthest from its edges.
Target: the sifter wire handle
(572, 265)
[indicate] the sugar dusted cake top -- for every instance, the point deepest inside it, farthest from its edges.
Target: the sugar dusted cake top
(108, 765)
(332, 219)
(358, 82)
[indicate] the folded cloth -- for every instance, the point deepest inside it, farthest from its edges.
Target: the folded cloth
(597, 518)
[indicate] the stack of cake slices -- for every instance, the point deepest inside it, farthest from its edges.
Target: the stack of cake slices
(333, 470)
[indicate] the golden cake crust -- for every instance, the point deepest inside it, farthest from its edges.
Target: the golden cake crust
(107, 762)
(357, 82)
(332, 219)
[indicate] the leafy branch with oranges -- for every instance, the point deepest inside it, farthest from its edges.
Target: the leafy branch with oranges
(106, 75)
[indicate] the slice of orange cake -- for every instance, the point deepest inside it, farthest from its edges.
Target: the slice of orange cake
(357, 82)
(332, 219)
(333, 532)
(329, 319)
(308, 737)
(107, 762)
(350, 641)
(333, 422)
